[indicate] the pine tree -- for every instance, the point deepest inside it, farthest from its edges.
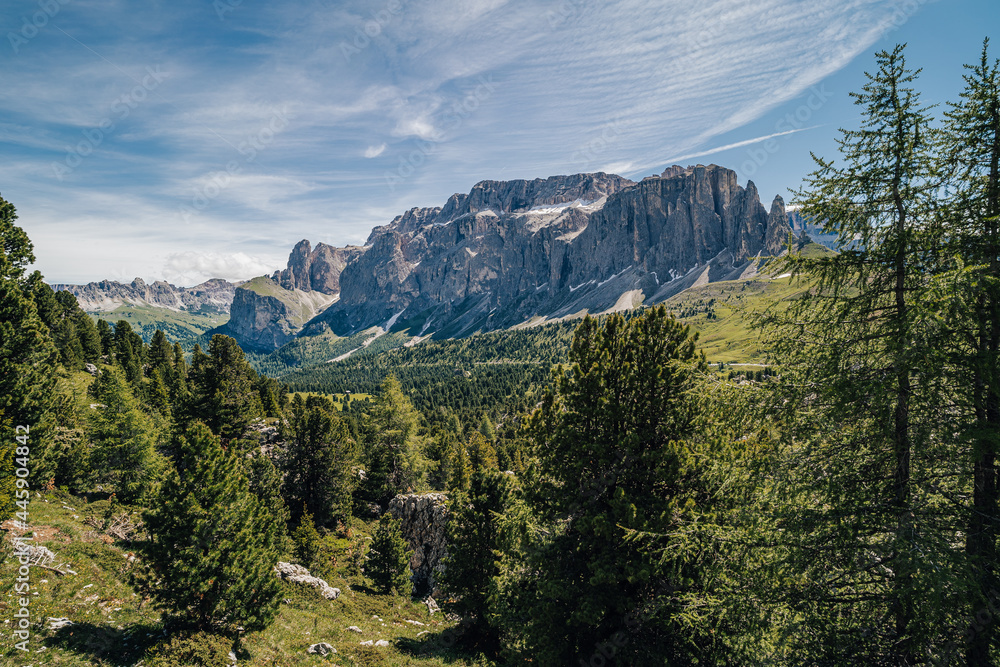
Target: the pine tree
(128, 352)
(864, 347)
(124, 438)
(27, 355)
(482, 456)
(107, 336)
(222, 389)
(392, 449)
(306, 540)
(487, 429)
(265, 483)
(388, 564)
(471, 568)
(90, 339)
(319, 462)
(212, 544)
(614, 445)
(461, 468)
(971, 146)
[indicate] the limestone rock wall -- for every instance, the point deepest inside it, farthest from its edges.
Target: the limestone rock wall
(424, 519)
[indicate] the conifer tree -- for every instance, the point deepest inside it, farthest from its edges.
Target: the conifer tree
(306, 540)
(971, 147)
(27, 354)
(461, 468)
(128, 352)
(318, 462)
(471, 568)
(864, 346)
(222, 389)
(124, 438)
(392, 449)
(265, 483)
(107, 337)
(487, 429)
(614, 440)
(388, 564)
(157, 394)
(482, 456)
(212, 544)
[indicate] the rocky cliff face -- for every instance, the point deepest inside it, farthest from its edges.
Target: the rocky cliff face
(315, 270)
(522, 251)
(423, 519)
(107, 295)
(264, 315)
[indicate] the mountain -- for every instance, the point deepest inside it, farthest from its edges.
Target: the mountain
(183, 313)
(316, 269)
(521, 252)
(506, 254)
(265, 315)
(108, 295)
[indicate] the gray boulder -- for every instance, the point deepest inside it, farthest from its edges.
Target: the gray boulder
(300, 575)
(321, 648)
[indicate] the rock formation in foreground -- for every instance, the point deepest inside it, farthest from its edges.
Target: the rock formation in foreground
(423, 521)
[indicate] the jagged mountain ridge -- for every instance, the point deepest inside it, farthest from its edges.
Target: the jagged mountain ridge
(508, 253)
(517, 252)
(107, 295)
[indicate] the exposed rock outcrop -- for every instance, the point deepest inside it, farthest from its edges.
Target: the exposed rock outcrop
(520, 251)
(265, 316)
(423, 521)
(315, 270)
(300, 575)
(511, 253)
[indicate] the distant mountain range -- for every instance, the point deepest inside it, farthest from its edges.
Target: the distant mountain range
(507, 254)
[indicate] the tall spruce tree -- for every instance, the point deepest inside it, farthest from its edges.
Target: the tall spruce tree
(867, 342)
(223, 389)
(319, 462)
(125, 438)
(27, 355)
(107, 336)
(388, 564)
(469, 579)
(129, 352)
(212, 544)
(971, 148)
(392, 449)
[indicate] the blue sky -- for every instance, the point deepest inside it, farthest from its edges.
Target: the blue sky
(188, 139)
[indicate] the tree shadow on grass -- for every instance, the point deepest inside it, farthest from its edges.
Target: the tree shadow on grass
(107, 643)
(449, 645)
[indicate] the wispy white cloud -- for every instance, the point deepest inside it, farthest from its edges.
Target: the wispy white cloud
(727, 147)
(440, 92)
(193, 267)
(375, 151)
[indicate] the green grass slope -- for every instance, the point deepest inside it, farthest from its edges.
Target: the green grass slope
(178, 325)
(113, 625)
